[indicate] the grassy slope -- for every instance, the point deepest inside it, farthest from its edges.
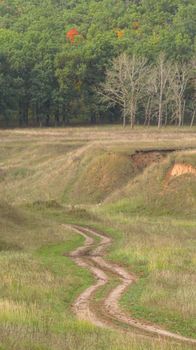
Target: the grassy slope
(99, 173)
(152, 193)
(39, 284)
(155, 226)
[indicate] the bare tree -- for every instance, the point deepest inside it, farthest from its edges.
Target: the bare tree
(159, 86)
(160, 89)
(137, 71)
(192, 92)
(178, 83)
(147, 104)
(114, 91)
(124, 85)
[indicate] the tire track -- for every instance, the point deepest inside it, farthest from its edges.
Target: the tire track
(89, 256)
(81, 306)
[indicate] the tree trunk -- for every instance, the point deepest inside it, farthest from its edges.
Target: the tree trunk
(160, 111)
(147, 107)
(149, 120)
(166, 117)
(48, 119)
(57, 119)
(27, 114)
(132, 120)
(132, 112)
(93, 119)
(124, 115)
(179, 112)
(192, 119)
(183, 111)
(24, 114)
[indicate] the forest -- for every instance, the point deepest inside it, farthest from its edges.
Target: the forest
(65, 62)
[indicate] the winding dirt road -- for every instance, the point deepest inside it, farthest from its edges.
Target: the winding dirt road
(90, 256)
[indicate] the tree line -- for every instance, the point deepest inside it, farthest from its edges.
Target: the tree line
(134, 62)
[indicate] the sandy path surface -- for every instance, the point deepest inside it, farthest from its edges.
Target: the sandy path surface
(90, 256)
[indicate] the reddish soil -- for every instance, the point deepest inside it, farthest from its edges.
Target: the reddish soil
(181, 169)
(177, 170)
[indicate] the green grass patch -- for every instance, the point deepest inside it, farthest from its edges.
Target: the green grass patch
(146, 303)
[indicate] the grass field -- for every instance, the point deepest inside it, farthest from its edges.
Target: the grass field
(88, 176)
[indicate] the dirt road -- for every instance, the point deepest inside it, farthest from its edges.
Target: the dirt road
(90, 256)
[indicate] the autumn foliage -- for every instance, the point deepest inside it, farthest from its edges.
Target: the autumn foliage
(71, 34)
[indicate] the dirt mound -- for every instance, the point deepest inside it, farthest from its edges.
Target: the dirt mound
(142, 159)
(177, 170)
(106, 172)
(181, 169)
